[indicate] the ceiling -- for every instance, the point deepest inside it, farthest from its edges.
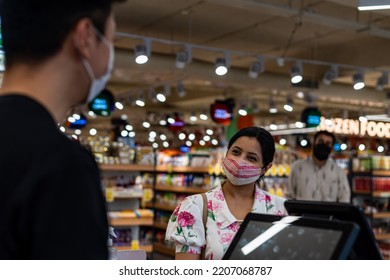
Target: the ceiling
(316, 33)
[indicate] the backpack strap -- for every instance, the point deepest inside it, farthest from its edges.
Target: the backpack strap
(203, 253)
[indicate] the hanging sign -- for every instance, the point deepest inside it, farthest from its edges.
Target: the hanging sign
(355, 127)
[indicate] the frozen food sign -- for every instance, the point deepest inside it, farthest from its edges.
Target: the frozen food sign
(355, 127)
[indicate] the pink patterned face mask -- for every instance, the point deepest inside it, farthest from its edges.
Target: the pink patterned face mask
(239, 172)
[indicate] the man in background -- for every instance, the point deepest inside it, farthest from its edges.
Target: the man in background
(58, 54)
(318, 177)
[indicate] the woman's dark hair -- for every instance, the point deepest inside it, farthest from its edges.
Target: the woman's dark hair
(265, 139)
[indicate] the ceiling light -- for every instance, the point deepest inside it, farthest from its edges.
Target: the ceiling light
(282, 141)
(183, 57)
(191, 136)
(280, 61)
(140, 103)
(343, 146)
(209, 131)
(242, 111)
(382, 81)
(273, 126)
(119, 105)
(146, 124)
(289, 104)
(155, 145)
(380, 149)
(141, 56)
(181, 91)
(303, 142)
(296, 73)
(221, 66)
(189, 143)
(272, 106)
(161, 97)
(129, 127)
(330, 75)
(214, 142)
(255, 106)
(93, 131)
(358, 80)
(143, 51)
(369, 5)
(131, 134)
(193, 117)
(362, 147)
(203, 116)
(256, 68)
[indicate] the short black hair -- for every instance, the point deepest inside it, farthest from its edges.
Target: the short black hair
(327, 133)
(34, 30)
(265, 139)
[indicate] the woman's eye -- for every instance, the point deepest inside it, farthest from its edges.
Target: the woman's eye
(235, 152)
(253, 159)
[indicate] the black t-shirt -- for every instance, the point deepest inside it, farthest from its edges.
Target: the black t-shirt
(51, 201)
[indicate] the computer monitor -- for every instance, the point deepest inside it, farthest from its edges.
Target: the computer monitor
(269, 237)
(365, 247)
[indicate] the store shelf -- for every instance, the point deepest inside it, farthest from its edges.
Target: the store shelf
(191, 190)
(142, 221)
(382, 236)
(381, 172)
(164, 249)
(126, 167)
(127, 194)
(162, 226)
(146, 248)
(161, 206)
(381, 215)
(374, 194)
(182, 169)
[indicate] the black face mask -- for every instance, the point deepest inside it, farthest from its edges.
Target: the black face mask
(321, 151)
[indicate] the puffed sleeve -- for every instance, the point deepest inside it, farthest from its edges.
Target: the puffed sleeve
(185, 227)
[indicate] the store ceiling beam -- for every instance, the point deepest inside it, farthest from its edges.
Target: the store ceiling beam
(305, 15)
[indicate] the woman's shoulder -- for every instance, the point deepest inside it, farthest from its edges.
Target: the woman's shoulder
(274, 203)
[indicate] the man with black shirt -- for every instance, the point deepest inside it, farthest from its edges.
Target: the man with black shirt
(58, 54)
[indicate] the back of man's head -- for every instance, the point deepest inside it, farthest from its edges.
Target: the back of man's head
(34, 30)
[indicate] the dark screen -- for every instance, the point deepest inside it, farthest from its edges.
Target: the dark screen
(288, 242)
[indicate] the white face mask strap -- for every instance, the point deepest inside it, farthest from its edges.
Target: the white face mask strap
(86, 64)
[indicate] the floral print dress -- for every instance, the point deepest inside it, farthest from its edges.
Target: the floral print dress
(185, 228)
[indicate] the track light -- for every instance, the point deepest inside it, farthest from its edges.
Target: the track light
(243, 110)
(289, 104)
(161, 97)
(382, 81)
(140, 100)
(272, 106)
(255, 107)
(142, 52)
(370, 5)
(181, 91)
(221, 65)
(296, 73)
(330, 75)
(358, 80)
(256, 68)
(183, 57)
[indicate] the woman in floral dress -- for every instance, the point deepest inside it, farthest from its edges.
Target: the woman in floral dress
(249, 156)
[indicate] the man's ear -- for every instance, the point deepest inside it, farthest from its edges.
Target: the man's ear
(84, 38)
